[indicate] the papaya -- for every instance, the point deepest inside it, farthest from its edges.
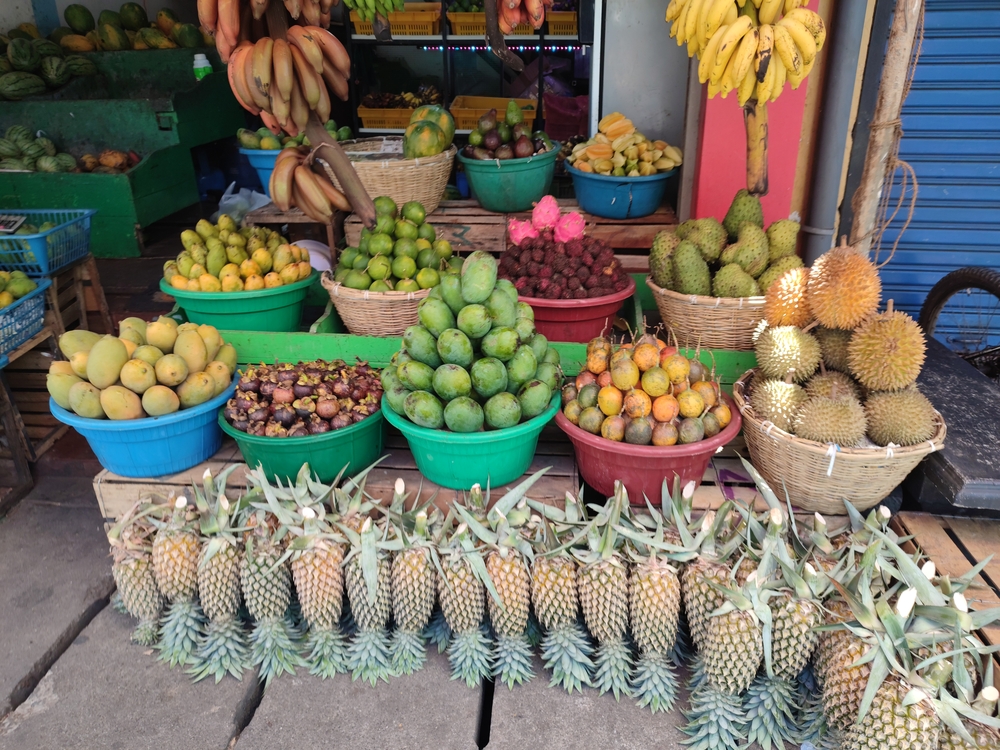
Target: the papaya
(58, 33)
(79, 18)
(110, 17)
(133, 16)
(438, 115)
(186, 35)
(154, 39)
(423, 138)
(165, 21)
(113, 38)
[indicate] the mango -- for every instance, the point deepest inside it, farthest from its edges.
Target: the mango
(187, 327)
(423, 409)
(249, 268)
(209, 283)
(120, 403)
(85, 400)
(521, 367)
(72, 342)
(272, 280)
(489, 376)
(205, 229)
(221, 375)
(463, 415)
(420, 344)
(190, 237)
(289, 274)
(500, 343)
(502, 410)
(213, 341)
(227, 355)
(479, 277)
(502, 309)
(473, 320)
(199, 253)
(525, 328)
(435, 315)
(451, 381)
(136, 324)
(60, 367)
(162, 335)
(416, 375)
(455, 348)
(254, 283)
(148, 354)
(190, 346)
(304, 269)
(216, 259)
(507, 286)
(234, 283)
(451, 292)
(235, 254)
(105, 361)
(235, 239)
(130, 346)
(534, 397)
(281, 258)
(138, 376)
(262, 258)
(196, 389)
(58, 385)
(184, 264)
(179, 282)
(230, 269)
(171, 370)
(160, 400)
(225, 221)
(131, 334)
(78, 363)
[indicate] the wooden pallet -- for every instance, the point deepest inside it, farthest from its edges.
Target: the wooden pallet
(76, 300)
(25, 379)
(956, 545)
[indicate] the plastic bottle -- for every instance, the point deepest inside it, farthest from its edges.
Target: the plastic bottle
(202, 67)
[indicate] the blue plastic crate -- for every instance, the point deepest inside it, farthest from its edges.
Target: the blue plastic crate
(45, 253)
(3, 361)
(23, 319)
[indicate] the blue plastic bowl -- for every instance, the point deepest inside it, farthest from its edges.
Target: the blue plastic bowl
(262, 160)
(153, 446)
(619, 197)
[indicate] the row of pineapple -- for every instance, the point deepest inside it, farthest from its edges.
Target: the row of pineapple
(798, 634)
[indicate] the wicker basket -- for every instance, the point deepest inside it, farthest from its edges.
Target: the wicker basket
(403, 180)
(819, 477)
(714, 322)
(373, 313)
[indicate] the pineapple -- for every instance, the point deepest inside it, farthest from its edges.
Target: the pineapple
(982, 736)
(223, 649)
(176, 550)
(700, 598)
(132, 568)
(369, 574)
(845, 682)
(891, 723)
(461, 590)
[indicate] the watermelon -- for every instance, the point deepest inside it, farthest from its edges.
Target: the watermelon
(22, 55)
(12, 164)
(67, 162)
(47, 164)
(59, 33)
(55, 74)
(78, 65)
(33, 150)
(9, 149)
(19, 34)
(133, 16)
(18, 133)
(109, 16)
(186, 35)
(423, 138)
(18, 85)
(113, 38)
(5, 66)
(47, 48)
(47, 146)
(79, 18)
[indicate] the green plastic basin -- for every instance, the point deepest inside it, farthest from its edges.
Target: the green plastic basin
(459, 460)
(356, 446)
(510, 185)
(276, 310)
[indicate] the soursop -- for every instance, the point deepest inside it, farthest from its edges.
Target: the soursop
(660, 265)
(685, 228)
(691, 274)
(733, 281)
(710, 237)
(782, 236)
(744, 208)
(777, 268)
(753, 252)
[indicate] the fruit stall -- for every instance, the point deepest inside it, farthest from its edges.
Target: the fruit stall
(662, 453)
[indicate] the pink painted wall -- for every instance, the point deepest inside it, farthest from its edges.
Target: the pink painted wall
(721, 167)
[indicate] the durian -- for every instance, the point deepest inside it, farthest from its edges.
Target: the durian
(833, 342)
(782, 237)
(824, 383)
(787, 349)
(785, 299)
(887, 352)
(777, 269)
(844, 288)
(745, 207)
(838, 418)
(777, 401)
(903, 417)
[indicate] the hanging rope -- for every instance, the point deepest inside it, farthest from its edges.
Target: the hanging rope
(887, 213)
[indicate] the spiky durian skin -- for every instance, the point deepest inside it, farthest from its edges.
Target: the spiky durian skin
(903, 417)
(823, 384)
(319, 582)
(553, 590)
(603, 590)
(512, 581)
(890, 724)
(370, 615)
(833, 343)
(461, 596)
(787, 349)
(844, 288)
(777, 402)
(839, 420)
(655, 604)
(734, 649)
(175, 564)
(844, 684)
(137, 586)
(700, 599)
(887, 352)
(785, 298)
(265, 591)
(413, 592)
(219, 583)
(793, 635)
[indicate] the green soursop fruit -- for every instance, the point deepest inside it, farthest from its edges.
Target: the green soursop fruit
(691, 274)
(660, 265)
(782, 236)
(685, 228)
(777, 268)
(745, 207)
(733, 281)
(729, 254)
(710, 237)
(753, 254)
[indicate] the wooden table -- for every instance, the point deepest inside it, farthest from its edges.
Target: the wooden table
(24, 383)
(75, 294)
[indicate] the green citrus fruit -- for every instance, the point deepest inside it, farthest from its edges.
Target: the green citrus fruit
(427, 277)
(380, 244)
(385, 206)
(427, 259)
(407, 285)
(404, 268)
(414, 211)
(405, 248)
(427, 232)
(380, 267)
(443, 249)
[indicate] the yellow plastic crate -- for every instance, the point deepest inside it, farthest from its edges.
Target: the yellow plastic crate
(474, 24)
(384, 119)
(468, 109)
(416, 19)
(562, 22)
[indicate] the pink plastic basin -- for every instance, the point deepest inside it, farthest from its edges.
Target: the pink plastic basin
(642, 468)
(577, 320)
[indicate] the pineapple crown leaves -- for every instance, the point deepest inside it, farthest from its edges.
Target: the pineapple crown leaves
(570, 515)
(368, 546)
(461, 544)
(951, 710)
(511, 499)
(141, 512)
(646, 542)
(752, 598)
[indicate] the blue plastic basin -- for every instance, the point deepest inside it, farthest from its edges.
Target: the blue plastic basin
(619, 197)
(262, 160)
(152, 446)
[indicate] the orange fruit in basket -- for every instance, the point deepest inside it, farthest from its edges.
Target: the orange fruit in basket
(678, 388)
(585, 378)
(678, 367)
(707, 391)
(624, 374)
(665, 408)
(665, 433)
(723, 414)
(604, 378)
(609, 400)
(691, 403)
(637, 404)
(655, 382)
(597, 360)
(646, 356)
(613, 428)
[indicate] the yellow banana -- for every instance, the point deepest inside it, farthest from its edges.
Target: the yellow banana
(298, 107)
(728, 46)
(677, 31)
(802, 38)
(307, 78)
(787, 50)
(701, 31)
(691, 22)
(795, 79)
(302, 38)
(756, 4)
(731, 15)
(765, 87)
(284, 72)
(779, 78)
(812, 21)
(311, 193)
(748, 83)
(769, 10)
(728, 82)
(708, 56)
(674, 10)
(259, 98)
(744, 56)
(716, 16)
(765, 47)
(713, 89)
(791, 5)
(262, 51)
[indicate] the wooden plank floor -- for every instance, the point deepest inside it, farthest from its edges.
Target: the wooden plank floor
(955, 545)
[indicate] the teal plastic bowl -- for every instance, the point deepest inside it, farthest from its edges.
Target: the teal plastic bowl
(619, 197)
(262, 160)
(460, 460)
(509, 185)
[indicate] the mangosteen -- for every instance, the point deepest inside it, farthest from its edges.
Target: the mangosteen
(241, 423)
(298, 429)
(327, 407)
(283, 394)
(304, 407)
(266, 387)
(231, 411)
(341, 420)
(284, 414)
(362, 367)
(274, 429)
(244, 400)
(248, 384)
(256, 428)
(259, 413)
(318, 426)
(341, 388)
(288, 376)
(304, 387)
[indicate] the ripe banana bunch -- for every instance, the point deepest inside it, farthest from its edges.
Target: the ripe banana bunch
(293, 183)
(230, 24)
(283, 80)
(515, 12)
(734, 44)
(367, 9)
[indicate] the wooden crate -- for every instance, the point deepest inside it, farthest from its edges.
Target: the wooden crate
(956, 545)
(76, 300)
(25, 377)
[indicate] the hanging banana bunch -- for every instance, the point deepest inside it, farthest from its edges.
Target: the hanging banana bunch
(515, 12)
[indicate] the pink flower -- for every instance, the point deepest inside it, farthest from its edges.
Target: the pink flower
(545, 214)
(520, 231)
(570, 227)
